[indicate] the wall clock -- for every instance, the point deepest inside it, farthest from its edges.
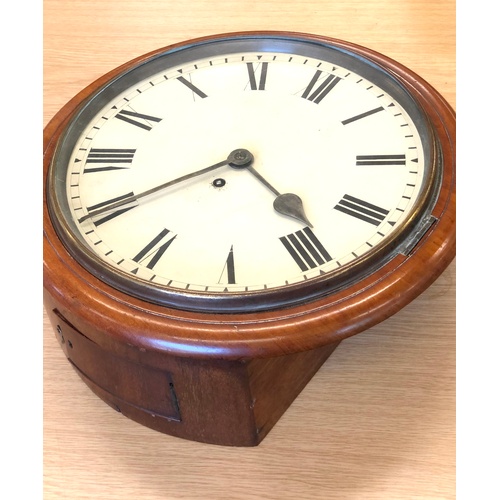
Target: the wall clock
(221, 213)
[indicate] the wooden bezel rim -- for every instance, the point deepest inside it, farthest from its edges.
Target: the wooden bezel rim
(120, 322)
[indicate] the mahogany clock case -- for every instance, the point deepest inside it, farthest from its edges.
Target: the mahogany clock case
(212, 376)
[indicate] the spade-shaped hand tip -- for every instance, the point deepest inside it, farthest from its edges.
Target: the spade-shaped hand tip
(291, 205)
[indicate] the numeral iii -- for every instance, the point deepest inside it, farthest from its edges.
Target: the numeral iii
(377, 160)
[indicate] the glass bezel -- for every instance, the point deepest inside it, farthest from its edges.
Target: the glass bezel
(266, 299)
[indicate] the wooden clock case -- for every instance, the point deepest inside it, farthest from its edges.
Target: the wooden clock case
(227, 378)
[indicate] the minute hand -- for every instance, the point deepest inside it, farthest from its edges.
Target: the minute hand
(135, 197)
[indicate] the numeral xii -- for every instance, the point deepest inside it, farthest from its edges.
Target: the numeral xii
(253, 75)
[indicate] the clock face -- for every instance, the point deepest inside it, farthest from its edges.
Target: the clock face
(243, 173)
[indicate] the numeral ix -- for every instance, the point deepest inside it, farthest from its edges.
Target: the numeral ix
(111, 157)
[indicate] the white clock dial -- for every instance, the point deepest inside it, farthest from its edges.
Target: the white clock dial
(336, 139)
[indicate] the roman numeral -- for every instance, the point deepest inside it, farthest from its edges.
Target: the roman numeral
(192, 87)
(110, 157)
(107, 216)
(361, 210)
(321, 90)
(362, 115)
(380, 160)
(229, 269)
(305, 249)
(253, 75)
(155, 249)
(137, 119)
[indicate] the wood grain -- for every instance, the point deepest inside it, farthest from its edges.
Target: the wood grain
(378, 419)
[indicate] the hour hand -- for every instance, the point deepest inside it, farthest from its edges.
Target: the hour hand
(290, 204)
(286, 204)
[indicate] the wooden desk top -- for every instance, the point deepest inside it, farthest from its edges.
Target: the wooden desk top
(378, 420)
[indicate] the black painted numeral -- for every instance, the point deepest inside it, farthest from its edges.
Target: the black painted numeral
(362, 115)
(107, 216)
(192, 87)
(155, 249)
(137, 119)
(102, 160)
(361, 210)
(305, 249)
(229, 269)
(319, 88)
(253, 75)
(377, 160)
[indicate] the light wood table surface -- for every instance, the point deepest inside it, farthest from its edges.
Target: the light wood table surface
(378, 420)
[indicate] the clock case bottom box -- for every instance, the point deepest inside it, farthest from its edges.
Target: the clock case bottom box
(224, 402)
